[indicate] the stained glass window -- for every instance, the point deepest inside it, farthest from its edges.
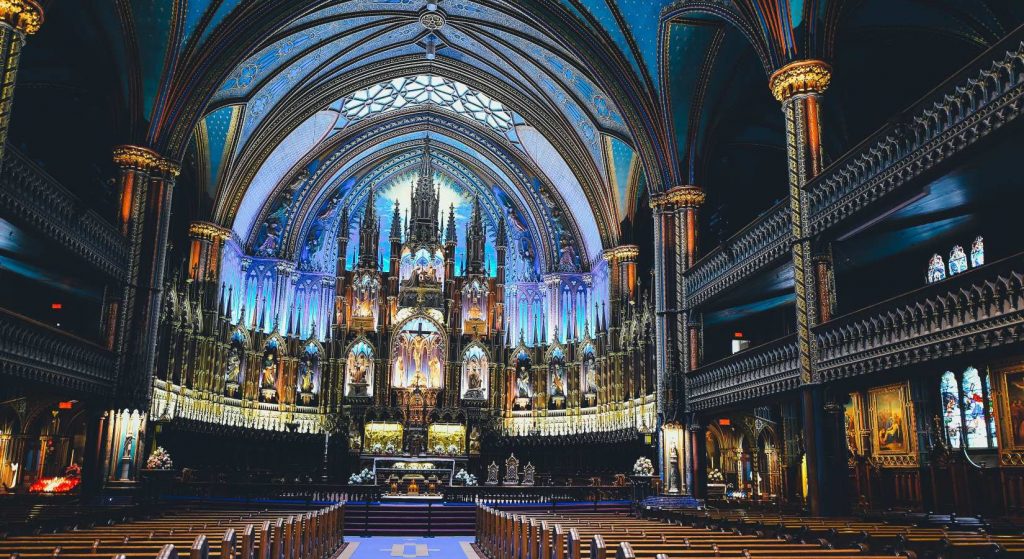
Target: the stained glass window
(967, 410)
(957, 260)
(936, 269)
(978, 252)
(950, 408)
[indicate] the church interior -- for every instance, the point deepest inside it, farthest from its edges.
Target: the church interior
(511, 279)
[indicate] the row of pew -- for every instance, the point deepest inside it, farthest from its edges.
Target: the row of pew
(544, 535)
(222, 533)
(967, 538)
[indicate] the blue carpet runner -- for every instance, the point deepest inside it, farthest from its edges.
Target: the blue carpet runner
(383, 547)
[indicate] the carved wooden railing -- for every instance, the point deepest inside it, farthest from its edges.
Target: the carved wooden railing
(30, 194)
(35, 351)
(760, 371)
(977, 309)
(984, 96)
(756, 246)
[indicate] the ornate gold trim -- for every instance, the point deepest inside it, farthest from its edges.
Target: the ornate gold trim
(144, 159)
(24, 15)
(209, 231)
(687, 196)
(624, 252)
(802, 76)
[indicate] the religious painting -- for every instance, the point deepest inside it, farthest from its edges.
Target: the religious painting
(269, 370)
(957, 260)
(475, 367)
(365, 306)
(588, 376)
(359, 371)
(892, 424)
(523, 388)
(309, 374)
(418, 355)
(234, 367)
(853, 424)
(557, 386)
(1011, 410)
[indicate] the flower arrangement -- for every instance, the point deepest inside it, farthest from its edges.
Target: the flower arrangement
(376, 448)
(390, 448)
(439, 449)
(160, 459)
(453, 450)
(364, 477)
(643, 467)
(715, 475)
(465, 477)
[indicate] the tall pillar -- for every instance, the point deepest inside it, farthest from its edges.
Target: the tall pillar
(147, 185)
(799, 87)
(18, 19)
(675, 250)
(206, 243)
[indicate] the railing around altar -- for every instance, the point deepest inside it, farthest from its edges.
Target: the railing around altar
(638, 414)
(322, 493)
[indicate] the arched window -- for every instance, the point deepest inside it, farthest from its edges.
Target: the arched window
(936, 269)
(957, 260)
(967, 411)
(978, 252)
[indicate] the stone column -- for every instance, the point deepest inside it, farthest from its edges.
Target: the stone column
(675, 250)
(147, 186)
(18, 19)
(206, 242)
(799, 87)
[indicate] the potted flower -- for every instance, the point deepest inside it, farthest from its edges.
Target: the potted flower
(390, 448)
(364, 477)
(643, 467)
(376, 448)
(465, 477)
(453, 450)
(160, 459)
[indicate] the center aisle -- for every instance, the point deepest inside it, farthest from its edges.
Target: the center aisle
(383, 547)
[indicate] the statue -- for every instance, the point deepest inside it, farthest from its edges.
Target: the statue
(673, 471)
(523, 382)
(435, 372)
(474, 445)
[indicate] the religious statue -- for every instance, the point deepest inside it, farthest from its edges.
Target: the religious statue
(591, 376)
(558, 381)
(232, 372)
(523, 382)
(269, 376)
(474, 441)
(673, 470)
(435, 372)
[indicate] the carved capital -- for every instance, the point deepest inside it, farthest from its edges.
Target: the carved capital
(205, 230)
(24, 15)
(802, 76)
(144, 159)
(685, 196)
(624, 253)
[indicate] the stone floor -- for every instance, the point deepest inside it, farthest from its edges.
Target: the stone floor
(383, 547)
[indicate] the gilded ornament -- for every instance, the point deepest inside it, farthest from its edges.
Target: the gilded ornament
(144, 159)
(802, 76)
(207, 230)
(624, 252)
(24, 15)
(686, 196)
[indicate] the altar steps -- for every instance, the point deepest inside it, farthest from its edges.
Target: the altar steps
(409, 519)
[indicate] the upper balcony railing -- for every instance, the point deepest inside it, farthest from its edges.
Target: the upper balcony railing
(760, 371)
(762, 242)
(34, 351)
(31, 194)
(974, 310)
(979, 99)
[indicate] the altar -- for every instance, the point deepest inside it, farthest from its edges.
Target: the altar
(418, 477)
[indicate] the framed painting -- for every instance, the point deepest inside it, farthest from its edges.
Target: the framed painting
(1009, 398)
(892, 420)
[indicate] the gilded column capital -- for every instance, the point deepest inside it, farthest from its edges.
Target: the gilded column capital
(144, 159)
(208, 231)
(24, 15)
(802, 76)
(622, 253)
(686, 196)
